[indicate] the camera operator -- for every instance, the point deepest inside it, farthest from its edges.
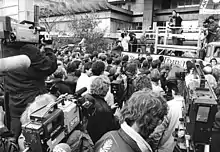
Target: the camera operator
(24, 86)
(139, 117)
(103, 120)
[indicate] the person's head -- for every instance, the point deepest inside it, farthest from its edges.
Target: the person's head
(125, 58)
(98, 68)
(142, 82)
(60, 73)
(118, 43)
(161, 58)
(71, 67)
(155, 75)
(154, 64)
(78, 64)
(126, 33)
(177, 14)
(213, 61)
(102, 57)
(174, 13)
(122, 35)
(88, 68)
(100, 86)
(117, 62)
(109, 60)
(211, 19)
(144, 111)
(190, 67)
(207, 70)
(145, 64)
(87, 58)
(62, 147)
(149, 59)
(131, 68)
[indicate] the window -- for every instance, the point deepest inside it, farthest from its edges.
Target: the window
(188, 3)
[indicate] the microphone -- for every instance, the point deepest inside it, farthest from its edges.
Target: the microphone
(80, 92)
(14, 63)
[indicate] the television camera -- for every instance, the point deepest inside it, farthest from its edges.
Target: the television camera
(198, 116)
(26, 32)
(53, 123)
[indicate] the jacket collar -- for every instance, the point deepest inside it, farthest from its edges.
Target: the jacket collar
(129, 140)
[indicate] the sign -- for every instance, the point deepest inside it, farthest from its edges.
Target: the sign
(180, 61)
(209, 11)
(176, 61)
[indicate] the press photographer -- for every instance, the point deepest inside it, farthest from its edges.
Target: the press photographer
(24, 85)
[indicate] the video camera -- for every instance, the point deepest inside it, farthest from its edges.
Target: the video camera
(53, 123)
(27, 32)
(199, 109)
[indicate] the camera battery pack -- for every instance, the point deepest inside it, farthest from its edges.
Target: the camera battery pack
(71, 114)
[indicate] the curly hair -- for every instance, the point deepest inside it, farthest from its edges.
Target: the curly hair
(141, 82)
(146, 109)
(100, 86)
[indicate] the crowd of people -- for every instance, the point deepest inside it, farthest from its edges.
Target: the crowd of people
(145, 120)
(142, 121)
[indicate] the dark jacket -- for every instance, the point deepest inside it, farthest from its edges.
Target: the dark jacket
(23, 86)
(116, 141)
(102, 121)
(71, 81)
(61, 86)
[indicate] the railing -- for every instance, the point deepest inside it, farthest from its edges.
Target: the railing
(166, 33)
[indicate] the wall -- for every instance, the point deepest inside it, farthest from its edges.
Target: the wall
(18, 9)
(137, 6)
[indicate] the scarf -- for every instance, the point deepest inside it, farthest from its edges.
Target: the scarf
(142, 144)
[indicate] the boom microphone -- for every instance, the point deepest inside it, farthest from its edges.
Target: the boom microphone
(14, 63)
(80, 92)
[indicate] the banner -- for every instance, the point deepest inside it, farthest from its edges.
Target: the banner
(209, 11)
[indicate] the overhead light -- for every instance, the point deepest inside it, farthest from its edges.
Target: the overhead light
(216, 1)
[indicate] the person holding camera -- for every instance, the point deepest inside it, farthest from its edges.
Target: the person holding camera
(23, 86)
